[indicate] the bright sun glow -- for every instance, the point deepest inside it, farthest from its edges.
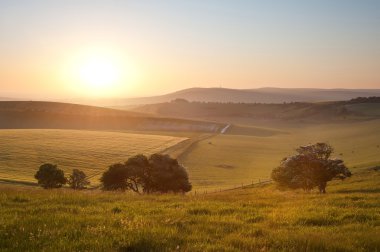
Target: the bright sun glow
(98, 72)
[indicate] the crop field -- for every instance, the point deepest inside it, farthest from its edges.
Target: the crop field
(23, 151)
(227, 160)
(214, 162)
(347, 218)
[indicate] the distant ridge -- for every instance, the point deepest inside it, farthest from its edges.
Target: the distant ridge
(8, 99)
(55, 115)
(259, 95)
(358, 109)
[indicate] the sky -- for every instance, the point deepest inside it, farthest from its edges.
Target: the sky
(92, 48)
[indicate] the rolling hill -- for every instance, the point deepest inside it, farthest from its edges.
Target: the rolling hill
(352, 110)
(24, 150)
(259, 95)
(54, 115)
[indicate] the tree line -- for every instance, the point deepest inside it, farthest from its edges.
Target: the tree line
(155, 174)
(312, 166)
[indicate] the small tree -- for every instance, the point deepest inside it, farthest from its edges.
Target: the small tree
(310, 167)
(49, 176)
(78, 180)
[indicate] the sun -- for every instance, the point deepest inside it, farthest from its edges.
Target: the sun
(99, 72)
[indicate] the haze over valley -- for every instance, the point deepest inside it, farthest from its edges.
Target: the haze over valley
(203, 125)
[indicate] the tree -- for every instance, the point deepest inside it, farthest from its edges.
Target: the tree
(167, 175)
(49, 176)
(137, 175)
(131, 175)
(78, 180)
(310, 167)
(114, 178)
(159, 173)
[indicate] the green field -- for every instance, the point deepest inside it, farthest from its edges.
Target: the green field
(255, 218)
(347, 218)
(230, 160)
(214, 162)
(23, 151)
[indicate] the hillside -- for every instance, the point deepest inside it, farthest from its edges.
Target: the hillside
(355, 109)
(24, 150)
(228, 160)
(245, 153)
(53, 115)
(259, 95)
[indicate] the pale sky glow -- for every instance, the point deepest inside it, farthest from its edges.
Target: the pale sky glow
(126, 48)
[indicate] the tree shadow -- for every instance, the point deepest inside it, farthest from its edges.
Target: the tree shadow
(373, 190)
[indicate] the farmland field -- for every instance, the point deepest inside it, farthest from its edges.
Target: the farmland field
(230, 160)
(23, 151)
(213, 161)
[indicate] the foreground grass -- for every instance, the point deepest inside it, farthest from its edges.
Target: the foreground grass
(265, 219)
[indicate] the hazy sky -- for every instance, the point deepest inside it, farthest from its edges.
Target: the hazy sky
(49, 48)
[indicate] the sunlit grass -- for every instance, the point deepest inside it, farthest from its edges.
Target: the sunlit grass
(347, 218)
(229, 160)
(23, 151)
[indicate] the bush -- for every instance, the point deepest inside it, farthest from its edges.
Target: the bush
(49, 176)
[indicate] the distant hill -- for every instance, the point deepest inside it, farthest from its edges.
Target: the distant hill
(355, 109)
(54, 115)
(260, 95)
(7, 99)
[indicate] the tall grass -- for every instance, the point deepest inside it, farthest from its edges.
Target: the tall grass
(347, 218)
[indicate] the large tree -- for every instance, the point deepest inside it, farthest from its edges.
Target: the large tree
(311, 167)
(131, 175)
(167, 175)
(159, 173)
(49, 176)
(114, 178)
(137, 173)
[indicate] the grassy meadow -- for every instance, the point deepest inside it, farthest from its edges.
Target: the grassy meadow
(214, 161)
(228, 160)
(23, 151)
(253, 218)
(263, 218)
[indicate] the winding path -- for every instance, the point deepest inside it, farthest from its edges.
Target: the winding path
(225, 129)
